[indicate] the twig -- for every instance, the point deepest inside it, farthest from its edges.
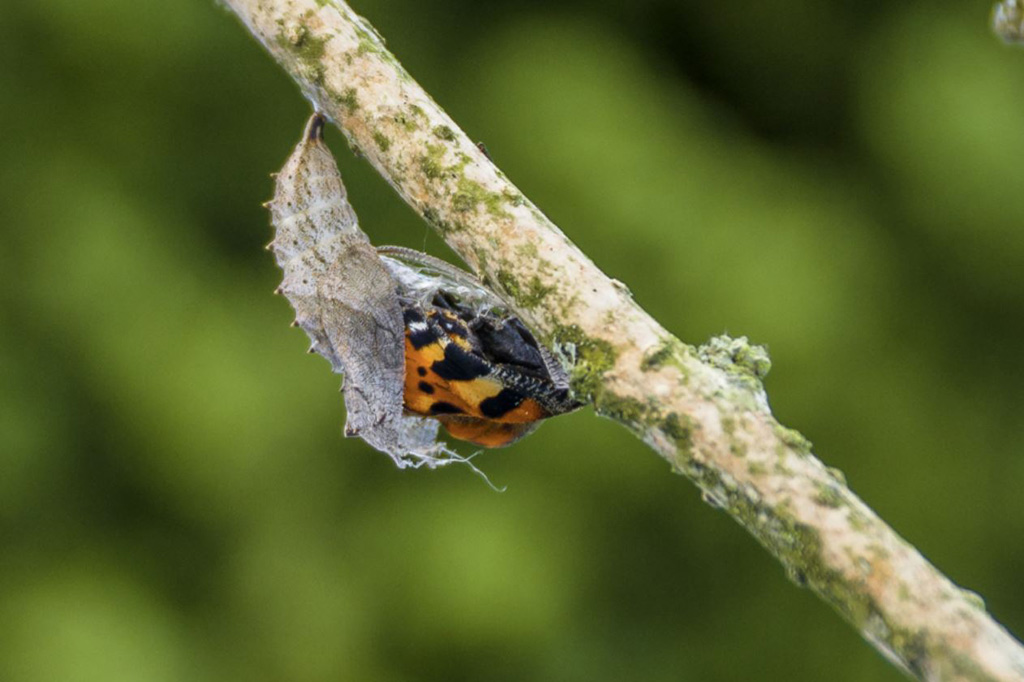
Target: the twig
(1008, 21)
(703, 410)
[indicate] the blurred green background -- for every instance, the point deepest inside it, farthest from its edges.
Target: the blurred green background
(840, 181)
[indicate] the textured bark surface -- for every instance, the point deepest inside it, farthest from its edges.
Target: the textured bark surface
(703, 409)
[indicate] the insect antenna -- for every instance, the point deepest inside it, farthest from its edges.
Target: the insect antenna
(436, 264)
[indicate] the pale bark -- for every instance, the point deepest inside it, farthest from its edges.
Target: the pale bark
(1008, 21)
(703, 410)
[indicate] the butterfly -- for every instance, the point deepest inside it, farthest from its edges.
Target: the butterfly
(420, 342)
(469, 363)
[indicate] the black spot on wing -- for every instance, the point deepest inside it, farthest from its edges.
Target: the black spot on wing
(410, 315)
(425, 387)
(441, 407)
(422, 371)
(522, 331)
(451, 324)
(442, 299)
(501, 404)
(423, 337)
(424, 333)
(447, 301)
(510, 343)
(459, 365)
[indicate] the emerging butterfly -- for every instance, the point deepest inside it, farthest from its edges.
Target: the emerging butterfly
(419, 341)
(468, 362)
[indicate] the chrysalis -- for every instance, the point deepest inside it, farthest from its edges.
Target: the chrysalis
(419, 342)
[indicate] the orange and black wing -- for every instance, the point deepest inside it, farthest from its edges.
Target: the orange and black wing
(486, 385)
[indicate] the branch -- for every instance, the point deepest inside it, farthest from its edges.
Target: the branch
(1008, 21)
(704, 410)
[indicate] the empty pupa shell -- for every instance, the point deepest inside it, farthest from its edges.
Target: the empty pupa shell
(345, 299)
